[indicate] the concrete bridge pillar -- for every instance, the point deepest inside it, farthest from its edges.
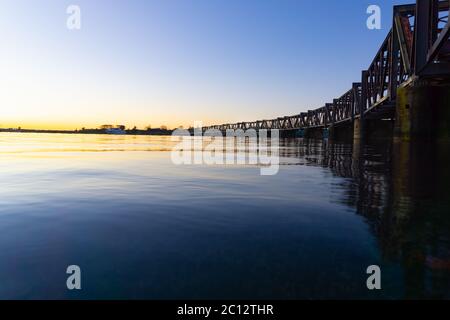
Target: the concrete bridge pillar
(332, 132)
(313, 133)
(357, 129)
(327, 133)
(372, 130)
(342, 132)
(300, 133)
(423, 110)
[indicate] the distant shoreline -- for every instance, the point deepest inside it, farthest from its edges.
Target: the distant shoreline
(150, 132)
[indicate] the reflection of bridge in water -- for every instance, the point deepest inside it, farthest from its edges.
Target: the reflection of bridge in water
(399, 186)
(401, 189)
(406, 83)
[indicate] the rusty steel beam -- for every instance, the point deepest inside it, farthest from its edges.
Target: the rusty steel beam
(403, 35)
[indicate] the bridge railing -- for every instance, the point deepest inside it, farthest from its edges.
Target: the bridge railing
(344, 107)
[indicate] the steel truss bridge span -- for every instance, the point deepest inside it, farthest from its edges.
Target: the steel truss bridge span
(416, 47)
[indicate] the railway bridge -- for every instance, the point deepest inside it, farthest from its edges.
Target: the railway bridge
(405, 91)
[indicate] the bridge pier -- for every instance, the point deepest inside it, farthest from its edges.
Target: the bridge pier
(423, 111)
(289, 133)
(341, 132)
(372, 130)
(382, 129)
(314, 133)
(357, 129)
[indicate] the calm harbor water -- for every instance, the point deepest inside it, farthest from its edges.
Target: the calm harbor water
(141, 227)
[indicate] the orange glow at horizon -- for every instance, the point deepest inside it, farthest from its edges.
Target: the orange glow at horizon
(77, 125)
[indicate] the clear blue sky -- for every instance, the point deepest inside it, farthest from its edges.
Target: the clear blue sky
(171, 62)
